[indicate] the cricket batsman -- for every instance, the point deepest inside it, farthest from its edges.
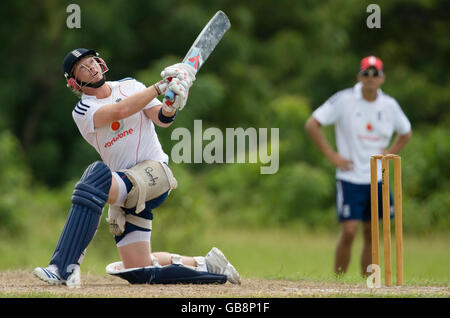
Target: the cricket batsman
(117, 118)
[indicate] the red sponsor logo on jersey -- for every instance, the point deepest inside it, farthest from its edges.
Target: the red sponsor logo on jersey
(115, 126)
(118, 136)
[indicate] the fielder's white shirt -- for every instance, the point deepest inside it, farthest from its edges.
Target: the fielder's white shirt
(362, 128)
(124, 143)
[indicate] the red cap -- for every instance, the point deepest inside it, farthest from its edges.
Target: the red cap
(371, 61)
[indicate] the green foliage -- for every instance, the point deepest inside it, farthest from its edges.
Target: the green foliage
(308, 49)
(179, 223)
(272, 69)
(426, 180)
(15, 179)
(426, 162)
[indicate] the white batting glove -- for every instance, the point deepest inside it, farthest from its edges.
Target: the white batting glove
(181, 71)
(116, 219)
(161, 87)
(181, 91)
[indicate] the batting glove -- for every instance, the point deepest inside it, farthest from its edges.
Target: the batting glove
(181, 91)
(161, 87)
(181, 71)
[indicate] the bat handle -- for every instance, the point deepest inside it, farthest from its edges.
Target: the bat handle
(169, 98)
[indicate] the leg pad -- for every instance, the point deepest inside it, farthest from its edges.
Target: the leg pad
(171, 274)
(88, 199)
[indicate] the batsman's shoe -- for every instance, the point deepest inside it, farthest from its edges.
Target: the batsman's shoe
(217, 263)
(50, 275)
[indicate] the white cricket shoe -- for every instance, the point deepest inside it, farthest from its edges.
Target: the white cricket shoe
(50, 275)
(217, 263)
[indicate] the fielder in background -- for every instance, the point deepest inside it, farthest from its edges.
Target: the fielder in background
(117, 118)
(365, 119)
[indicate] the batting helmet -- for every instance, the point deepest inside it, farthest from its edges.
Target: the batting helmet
(69, 62)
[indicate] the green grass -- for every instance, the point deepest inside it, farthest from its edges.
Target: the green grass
(295, 255)
(273, 253)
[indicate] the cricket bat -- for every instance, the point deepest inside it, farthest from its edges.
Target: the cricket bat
(203, 46)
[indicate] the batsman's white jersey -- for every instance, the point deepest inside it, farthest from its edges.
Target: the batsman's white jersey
(362, 128)
(124, 143)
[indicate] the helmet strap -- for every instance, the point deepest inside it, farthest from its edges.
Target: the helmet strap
(93, 85)
(104, 68)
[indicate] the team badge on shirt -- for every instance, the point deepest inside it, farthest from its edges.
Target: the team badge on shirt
(116, 127)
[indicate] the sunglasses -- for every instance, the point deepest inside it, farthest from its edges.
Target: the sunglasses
(373, 73)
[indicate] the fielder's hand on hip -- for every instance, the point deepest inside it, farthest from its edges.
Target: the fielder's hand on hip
(339, 162)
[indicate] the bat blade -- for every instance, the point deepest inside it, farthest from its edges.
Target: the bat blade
(207, 40)
(203, 45)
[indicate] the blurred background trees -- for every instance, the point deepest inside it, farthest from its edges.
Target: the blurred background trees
(278, 62)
